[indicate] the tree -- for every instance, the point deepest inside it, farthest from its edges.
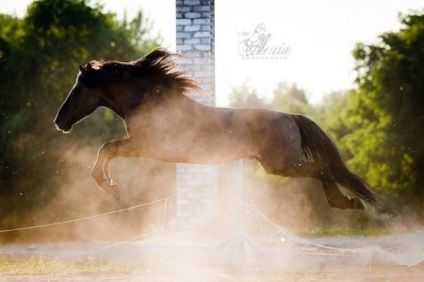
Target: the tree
(244, 96)
(360, 134)
(290, 99)
(391, 80)
(378, 125)
(39, 58)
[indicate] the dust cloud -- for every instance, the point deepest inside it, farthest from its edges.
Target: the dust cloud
(271, 239)
(279, 232)
(80, 200)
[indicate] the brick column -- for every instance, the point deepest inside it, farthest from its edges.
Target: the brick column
(197, 184)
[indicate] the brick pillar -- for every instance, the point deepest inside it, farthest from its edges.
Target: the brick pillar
(197, 184)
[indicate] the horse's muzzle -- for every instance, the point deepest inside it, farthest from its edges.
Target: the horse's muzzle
(62, 126)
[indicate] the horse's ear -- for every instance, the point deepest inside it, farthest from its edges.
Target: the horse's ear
(93, 65)
(157, 53)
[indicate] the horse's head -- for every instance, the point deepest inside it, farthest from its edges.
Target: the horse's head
(123, 86)
(83, 99)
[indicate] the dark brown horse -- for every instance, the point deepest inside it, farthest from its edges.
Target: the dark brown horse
(164, 124)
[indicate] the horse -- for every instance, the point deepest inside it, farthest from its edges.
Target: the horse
(163, 123)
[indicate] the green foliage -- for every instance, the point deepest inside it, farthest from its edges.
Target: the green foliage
(391, 91)
(290, 99)
(361, 136)
(378, 126)
(245, 97)
(286, 98)
(39, 58)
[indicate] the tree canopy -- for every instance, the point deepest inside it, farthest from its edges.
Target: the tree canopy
(389, 100)
(378, 124)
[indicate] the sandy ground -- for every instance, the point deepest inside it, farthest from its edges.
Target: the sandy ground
(387, 258)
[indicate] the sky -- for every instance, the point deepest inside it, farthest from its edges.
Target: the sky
(319, 36)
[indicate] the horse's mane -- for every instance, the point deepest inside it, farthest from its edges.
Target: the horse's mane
(158, 68)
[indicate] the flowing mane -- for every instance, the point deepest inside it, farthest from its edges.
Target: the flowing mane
(158, 67)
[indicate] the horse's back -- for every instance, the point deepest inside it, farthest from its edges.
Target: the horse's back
(209, 135)
(252, 133)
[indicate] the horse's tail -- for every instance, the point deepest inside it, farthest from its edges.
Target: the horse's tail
(317, 146)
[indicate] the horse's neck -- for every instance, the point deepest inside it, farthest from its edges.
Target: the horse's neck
(169, 104)
(115, 104)
(186, 102)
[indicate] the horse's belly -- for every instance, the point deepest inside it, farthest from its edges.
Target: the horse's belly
(216, 157)
(208, 152)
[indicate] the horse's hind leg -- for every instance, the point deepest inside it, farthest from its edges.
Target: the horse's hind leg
(321, 172)
(336, 199)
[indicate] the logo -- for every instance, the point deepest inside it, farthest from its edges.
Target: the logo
(258, 46)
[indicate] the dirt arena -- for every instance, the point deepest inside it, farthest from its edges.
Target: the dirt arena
(386, 258)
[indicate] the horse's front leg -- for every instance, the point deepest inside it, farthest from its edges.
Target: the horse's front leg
(100, 171)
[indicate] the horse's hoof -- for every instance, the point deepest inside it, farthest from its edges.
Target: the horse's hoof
(357, 204)
(115, 192)
(111, 190)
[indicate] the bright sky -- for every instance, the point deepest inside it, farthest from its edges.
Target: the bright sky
(321, 35)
